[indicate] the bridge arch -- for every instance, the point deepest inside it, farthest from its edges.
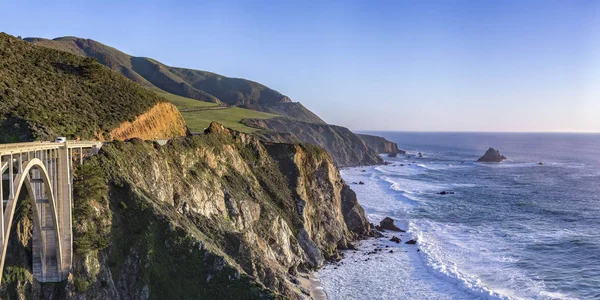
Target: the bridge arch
(24, 178)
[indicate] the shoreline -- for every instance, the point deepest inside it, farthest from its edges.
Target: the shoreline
(381, 268)
(312, 284)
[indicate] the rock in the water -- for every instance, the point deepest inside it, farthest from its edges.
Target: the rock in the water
(492, 155)
(395, 239)
(420, 154)
(445, 193)
(540, 163)
(378, 228)
(388, 223)
(360, 182)
(394, 154)
(412, 242)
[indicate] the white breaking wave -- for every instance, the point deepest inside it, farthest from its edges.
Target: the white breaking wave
(450, 264)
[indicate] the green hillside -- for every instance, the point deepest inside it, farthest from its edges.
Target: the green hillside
(194, 84)
(198, 114)
(184, 103)
(229, 117)
(46, 93)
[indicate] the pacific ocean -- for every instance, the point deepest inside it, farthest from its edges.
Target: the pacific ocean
(525, 228)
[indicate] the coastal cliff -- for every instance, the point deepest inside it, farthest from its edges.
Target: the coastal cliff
(380, 144)
(346, 148)
(219, 215)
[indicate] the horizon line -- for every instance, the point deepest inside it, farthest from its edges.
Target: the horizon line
(468, 131)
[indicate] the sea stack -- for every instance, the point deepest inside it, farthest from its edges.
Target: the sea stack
(492, 155)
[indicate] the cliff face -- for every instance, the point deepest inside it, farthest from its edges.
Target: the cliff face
(380, 144)
(161, 122)
(220, 215)
(345, 147)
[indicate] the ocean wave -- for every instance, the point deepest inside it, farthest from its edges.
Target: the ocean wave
(475, 260)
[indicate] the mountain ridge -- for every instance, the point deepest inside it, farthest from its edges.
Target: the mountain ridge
(46, 93)
(196, 84)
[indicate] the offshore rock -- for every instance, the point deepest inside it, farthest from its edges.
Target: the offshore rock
(388, 224)
(492, 155)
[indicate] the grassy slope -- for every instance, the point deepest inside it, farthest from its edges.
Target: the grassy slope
(230, 117)
(199, 114)
(184, 103)
(195, 84)
(46, 93)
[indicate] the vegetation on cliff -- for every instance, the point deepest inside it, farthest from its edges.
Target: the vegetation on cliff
(46, 93)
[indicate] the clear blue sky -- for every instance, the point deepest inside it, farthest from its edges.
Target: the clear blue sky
(388, 65)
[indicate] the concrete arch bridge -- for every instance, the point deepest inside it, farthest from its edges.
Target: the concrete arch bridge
(43, 171)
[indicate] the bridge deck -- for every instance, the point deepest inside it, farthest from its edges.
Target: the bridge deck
(6, 149)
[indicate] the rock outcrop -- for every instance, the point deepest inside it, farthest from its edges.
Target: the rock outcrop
(345, 147)
(219, 215)
(388, 224)
(492, 155)
(381, 144)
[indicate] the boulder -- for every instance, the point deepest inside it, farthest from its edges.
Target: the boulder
(360, 182)
(395, 239)
(388, 224)
(492, 155)
(411, 242)
(420, 154)
(540, 163)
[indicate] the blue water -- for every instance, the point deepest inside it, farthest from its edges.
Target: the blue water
(514, 229)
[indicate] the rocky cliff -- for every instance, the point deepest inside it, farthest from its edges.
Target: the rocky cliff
(380, 144)
(220, 215)
(345, 147)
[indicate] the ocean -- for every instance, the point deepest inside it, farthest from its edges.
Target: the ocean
(511, 230)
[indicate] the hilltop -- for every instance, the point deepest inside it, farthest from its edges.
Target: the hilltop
(195, 84)
(240, 104)
(45, 93)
